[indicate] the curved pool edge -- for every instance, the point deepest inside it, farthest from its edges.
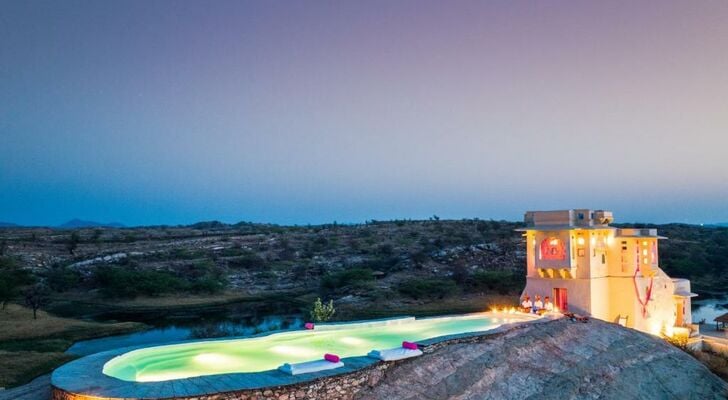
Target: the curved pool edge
(83, 378)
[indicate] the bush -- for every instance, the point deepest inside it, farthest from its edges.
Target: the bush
(13, 278)
(207, 284)
(126, 282)
(322, 312)
(428, 288)
(352, 277)
(247, 261)
(60, 278)
(500, 281)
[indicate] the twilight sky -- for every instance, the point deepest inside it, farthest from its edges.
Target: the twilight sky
(166, 112)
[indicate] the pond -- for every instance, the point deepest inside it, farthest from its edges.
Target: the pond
(232, 320)
(709, 308)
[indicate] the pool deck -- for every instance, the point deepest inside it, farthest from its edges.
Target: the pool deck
(84, 376)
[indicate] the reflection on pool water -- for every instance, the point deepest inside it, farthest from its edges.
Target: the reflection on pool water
(264, 353)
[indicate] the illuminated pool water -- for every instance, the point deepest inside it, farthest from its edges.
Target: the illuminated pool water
(162, 363)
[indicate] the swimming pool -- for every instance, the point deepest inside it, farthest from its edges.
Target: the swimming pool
(248, 355)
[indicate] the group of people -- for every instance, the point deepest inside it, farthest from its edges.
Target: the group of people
(537, 306)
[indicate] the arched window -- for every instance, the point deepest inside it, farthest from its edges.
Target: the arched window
(553, 249)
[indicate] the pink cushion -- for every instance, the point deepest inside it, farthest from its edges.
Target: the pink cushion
(331, 358)
(409, 345)
(308, 325)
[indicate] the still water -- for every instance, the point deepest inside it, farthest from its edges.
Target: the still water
(231, 320)
(709, 308)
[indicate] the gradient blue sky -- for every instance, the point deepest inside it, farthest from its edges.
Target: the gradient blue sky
(166, 112)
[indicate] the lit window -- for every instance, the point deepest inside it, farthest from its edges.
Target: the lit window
(552, 249)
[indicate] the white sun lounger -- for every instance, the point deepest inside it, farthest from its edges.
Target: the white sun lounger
(398, 353)
(309, 366)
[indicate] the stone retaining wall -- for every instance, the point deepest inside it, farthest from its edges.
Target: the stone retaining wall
(338, 387)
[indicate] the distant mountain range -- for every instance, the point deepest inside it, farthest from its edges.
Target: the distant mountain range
(79, 223)
(7, 225)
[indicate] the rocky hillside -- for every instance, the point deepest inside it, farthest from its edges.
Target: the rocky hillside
(396, 262)
(410, 260)
(554, 360)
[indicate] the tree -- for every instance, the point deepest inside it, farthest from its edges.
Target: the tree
(72, 243)
(13, 277)
(3, 247)
(36, 296)
(322, 312)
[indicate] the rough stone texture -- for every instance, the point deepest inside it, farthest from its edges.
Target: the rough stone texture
(556, 360)
(552, 360)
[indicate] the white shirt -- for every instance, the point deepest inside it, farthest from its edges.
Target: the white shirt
(549, 306)
(527, 304)
(538, 304)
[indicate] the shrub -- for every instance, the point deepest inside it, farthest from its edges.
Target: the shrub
(60, 278)
(428, 288)
(322, 312)
(13, 278)
(419, 257)
(356, 277)
(125, 282)
(207, 284)
(501, 281)
(247, 261)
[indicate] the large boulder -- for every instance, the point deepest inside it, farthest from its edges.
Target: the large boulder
(553, 360)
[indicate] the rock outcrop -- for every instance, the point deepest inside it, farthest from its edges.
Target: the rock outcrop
(554, 360)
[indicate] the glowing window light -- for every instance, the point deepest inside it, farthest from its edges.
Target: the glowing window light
(580, 241)
(644, 243)
(644, 252)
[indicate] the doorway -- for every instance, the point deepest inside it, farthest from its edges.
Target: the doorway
(560, 299)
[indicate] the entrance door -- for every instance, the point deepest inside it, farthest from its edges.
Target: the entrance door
(680, 312)
(560, 299)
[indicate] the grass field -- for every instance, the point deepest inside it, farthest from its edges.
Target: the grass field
(29, 348)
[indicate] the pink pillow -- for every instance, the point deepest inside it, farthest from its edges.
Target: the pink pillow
(331, 358)
(308, 325)
(409, 345)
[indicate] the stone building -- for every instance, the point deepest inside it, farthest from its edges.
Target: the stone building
(589, 267)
